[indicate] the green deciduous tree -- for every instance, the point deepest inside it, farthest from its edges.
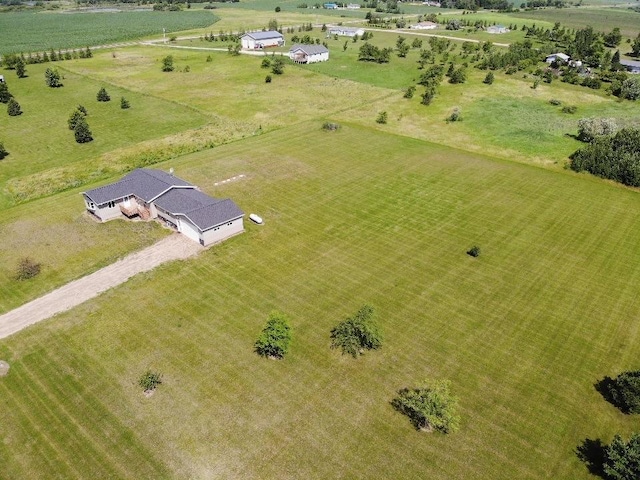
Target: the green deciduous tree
(167, 63)
(52, 78)
(613, 38)
(630, 89)
(357, 334)
(13, 108)
(590, 128)
(275, 338)
(635, 46)
(82, 132)
(429, 407)
(102, 95)
(622, 459)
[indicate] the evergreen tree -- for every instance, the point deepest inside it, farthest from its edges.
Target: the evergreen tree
(635, 47)
(21, 71)
(3, 151)
(102, 95)
(13, 108)
(82, 132)
(52, 78)
(489, 78)
(74, 118)
(124, 103)
(5, 95)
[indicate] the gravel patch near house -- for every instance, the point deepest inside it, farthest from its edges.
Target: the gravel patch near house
(173, 247)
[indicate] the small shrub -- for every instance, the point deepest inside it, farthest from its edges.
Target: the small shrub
(3, 151)
(209, 58)
(456, 116)
(332, 127)
(535, 84)
(625, 391)
(173, 38)
(267, 79)
(410, 91)
(555, 102)
(124, 103)
(278, 9)
(429, 407)
(474, 251)
(52, 78)
(27, 269)
(266, 63)
(488, 80)
(150, 380)
(103, 96)
(382, 118)
(81, 131)
(569, 109)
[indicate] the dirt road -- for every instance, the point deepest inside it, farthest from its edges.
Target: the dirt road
(173, 247)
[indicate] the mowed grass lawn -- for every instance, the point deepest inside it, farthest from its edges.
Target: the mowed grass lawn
(352, 217)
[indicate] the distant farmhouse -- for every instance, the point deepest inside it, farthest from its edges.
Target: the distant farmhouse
(557, 57)
(353, 6)
(632, 66)
(309, 53)
(345, 31)
(147, 194)
(259, 40)
(424, 26)
(331, 6)
(497, 29)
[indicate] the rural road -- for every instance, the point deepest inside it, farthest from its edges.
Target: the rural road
(173, 247)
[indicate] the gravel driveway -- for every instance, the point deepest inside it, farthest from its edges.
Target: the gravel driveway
(173, 247)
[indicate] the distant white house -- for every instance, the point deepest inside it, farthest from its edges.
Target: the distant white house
(309, 53)
(632, 66)
(557, 57)
(258, 40)
(497, 29)
(353, 6)
(424, 26)
(346, 31)
(331, 6)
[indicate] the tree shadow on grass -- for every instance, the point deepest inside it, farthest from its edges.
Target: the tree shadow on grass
(604, 387)
(592, 454)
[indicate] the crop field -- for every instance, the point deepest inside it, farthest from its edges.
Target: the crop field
(601, 19)
(355, 216)
(30, 32)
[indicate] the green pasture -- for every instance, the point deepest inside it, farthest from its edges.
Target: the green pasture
(601, 19)
(351, 217)
(31, 32)
(39, 140)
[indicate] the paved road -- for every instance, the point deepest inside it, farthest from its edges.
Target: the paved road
(173, 247)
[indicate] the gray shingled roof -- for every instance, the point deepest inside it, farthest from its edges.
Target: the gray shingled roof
(215, 214)
(264, 35)
(310, 49)
(144, 183)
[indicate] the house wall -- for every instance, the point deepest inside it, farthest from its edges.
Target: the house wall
(104, 212)
(188, 229)
(223, 231)
(251, 44)
(318, 57)
(167, 217)
(346, 33)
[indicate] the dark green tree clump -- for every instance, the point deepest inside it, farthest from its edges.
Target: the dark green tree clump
(355, 335)
(614, 157)
(624, 391)
(150, 380)
(3, 151)
(371, 53)
(13, 108)
(75, 117)
(622, 459)
(277, 66)
(474, 251)
(274, 340)
(167, 64)
(52, 78)
(21, 70)
(429, 407)
(124, 103)
(5, 95)
(103, 96)
(81, 131)
(488, 80)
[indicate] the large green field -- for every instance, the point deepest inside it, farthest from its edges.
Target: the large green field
(371, 213)
(351, 217)
(30, 32)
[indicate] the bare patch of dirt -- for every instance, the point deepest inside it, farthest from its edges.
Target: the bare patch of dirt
(4, 368)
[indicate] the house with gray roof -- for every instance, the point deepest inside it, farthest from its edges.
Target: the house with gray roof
(259, 40)
(154, 194)
(632, 66)
(345, 31)
(309, 53)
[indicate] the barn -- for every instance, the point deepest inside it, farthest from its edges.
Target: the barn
(259, 40)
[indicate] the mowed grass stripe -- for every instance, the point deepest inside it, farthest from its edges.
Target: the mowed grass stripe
(523, 331)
